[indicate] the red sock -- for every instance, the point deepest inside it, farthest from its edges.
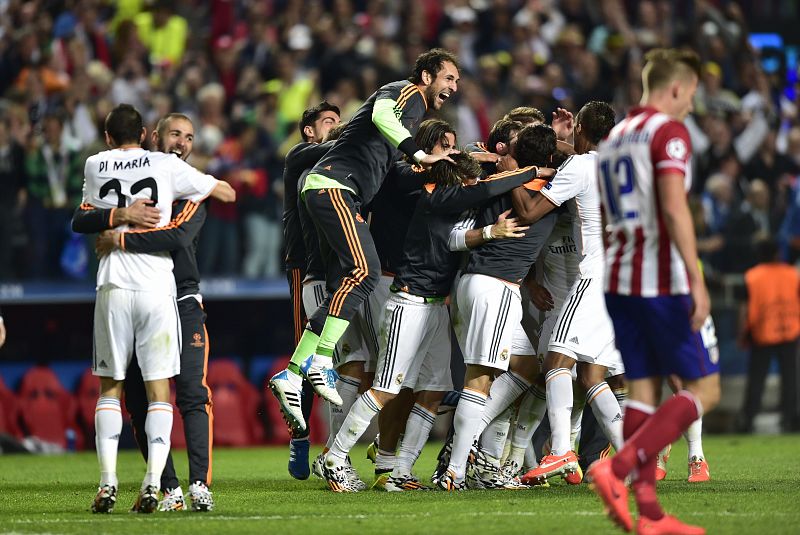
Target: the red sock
(644, 487)
(636, 414)
(664, 427)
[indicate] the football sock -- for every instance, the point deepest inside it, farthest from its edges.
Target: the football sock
(607, 412)
(493, 438)
(385, 460)
(465, 422)
(158, 427)
(347, 387)
(355, 424)
(108, 426)
(671, 419)
(530, 414)
(418, 429)
(694, 439)
(307, 346)
(644, 488)
(559, 408)
(576, 417)
(504, 392)
(333, 329)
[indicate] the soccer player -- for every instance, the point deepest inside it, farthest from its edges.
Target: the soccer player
(174, 134)
(489, 306)
(655, 292)
(345, 179)
(314, 126)
(136, 306)
(583, 332)
(415, 343)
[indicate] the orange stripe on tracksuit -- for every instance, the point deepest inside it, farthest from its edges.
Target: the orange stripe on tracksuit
(209, 407)
(354, 244)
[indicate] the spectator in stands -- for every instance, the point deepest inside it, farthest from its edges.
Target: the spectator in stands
(769, 323)
(55, 183)
(163, 33)
(748, 224)
(13, 182)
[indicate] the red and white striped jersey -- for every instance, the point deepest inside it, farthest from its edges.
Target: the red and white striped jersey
(641, 259)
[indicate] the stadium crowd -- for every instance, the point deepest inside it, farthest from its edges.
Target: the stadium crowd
(245, 71)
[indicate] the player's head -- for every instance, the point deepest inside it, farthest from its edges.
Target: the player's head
(435, 137)
(535, 146)
(527, 115)
(593, 122)
(318, 120)
(436, 72)
(465, 170)
(335, 132)
(503, 136)
(174, 134)
(669, 80)
(124, 126)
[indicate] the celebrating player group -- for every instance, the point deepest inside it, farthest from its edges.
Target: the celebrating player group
(562, 257)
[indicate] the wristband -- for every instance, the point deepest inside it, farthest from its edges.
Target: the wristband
(419, 155)
(487, 233)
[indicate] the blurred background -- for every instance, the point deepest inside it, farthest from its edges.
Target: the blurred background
(244, 71)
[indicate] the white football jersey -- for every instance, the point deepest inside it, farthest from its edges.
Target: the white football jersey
(641, 259)
(114, 179)
(560, 265)
(577, 179)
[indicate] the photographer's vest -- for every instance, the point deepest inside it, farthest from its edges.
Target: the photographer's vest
(773, 314)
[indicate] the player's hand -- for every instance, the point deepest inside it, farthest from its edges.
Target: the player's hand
(701, 305)
(540, 296)
(507, 163)
(507, 227)
(563, 123)
(430, 159)
(141, 214)
(545, 173)
(485, 157)
(106, 242)
(2, 333)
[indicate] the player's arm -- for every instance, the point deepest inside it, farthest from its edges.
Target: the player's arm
(678, 221)
(223, 192)
(407, 179)
(463, 237)
(388, 124)
(530, 209)
(179, 233)
(90, 220)
(456, 199)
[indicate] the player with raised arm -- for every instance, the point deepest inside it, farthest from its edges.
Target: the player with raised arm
(136, 306)
(174, 134)
(346, 178)
(655, 292)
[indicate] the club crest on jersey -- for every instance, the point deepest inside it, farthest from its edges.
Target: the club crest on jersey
(197, 340)
(676, 148)
(399, 378)
(504, 355)
(359, 218)
(345, 349)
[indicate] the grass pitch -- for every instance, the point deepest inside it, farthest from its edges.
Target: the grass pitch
(754, 490)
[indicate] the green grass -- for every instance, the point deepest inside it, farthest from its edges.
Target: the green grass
(754, 490)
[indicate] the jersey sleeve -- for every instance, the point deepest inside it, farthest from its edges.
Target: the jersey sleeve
(565, 185)
(387, 113)
(456, 199)
(90, 220)
(671, 149)
(191, 184)
(188, 218)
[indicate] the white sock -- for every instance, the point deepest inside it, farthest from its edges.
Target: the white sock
(385, 460)
(576, 418)
(348, 390)
(504, 392)
(607, 412)
(493, 438)
(465, 422)
(157, 427)
(694, 439)
(355, 424)
(418, 429)
(108, 426)
(559, 408)
(529, 416)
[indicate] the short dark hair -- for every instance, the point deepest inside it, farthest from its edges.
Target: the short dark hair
(163, 123)
(431, 132)
(596, 119)
(313, 113)
(432, 61)
(525, 115)
(124, 124)
(501, 132)
(766, 250)
(535, 145)
(444, 173)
